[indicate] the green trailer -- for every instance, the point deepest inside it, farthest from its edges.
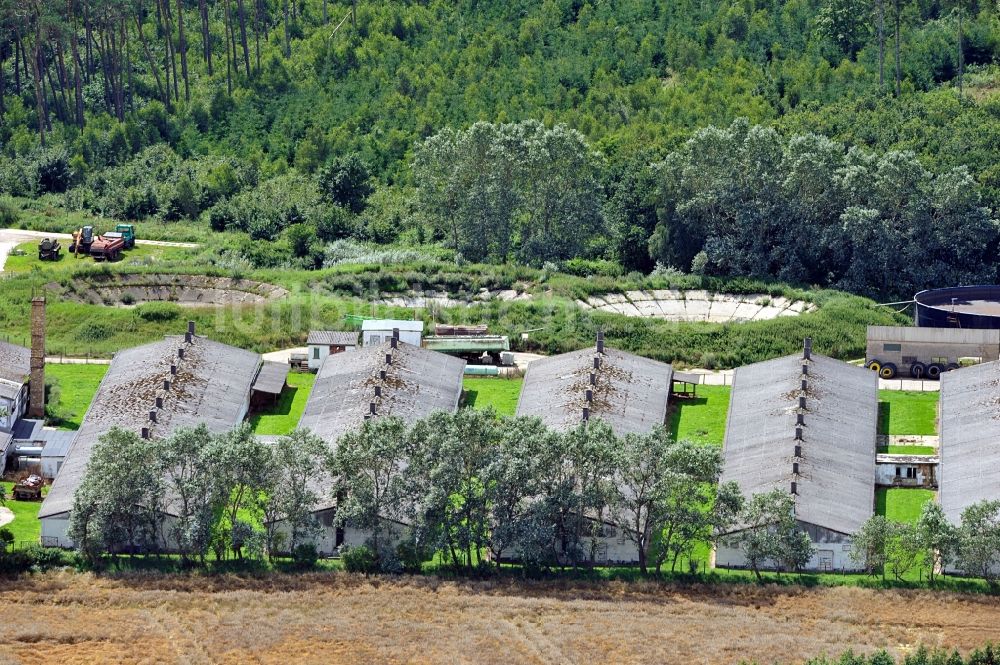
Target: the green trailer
(472, 347)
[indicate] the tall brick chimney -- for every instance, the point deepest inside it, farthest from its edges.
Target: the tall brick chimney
(36, 403)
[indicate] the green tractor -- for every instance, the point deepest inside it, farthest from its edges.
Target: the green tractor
(124, 231)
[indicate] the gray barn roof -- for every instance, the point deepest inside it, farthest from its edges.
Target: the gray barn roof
(836, 481)
(630, 394)
(56, 442)
(212, 386)
(970, 438)
(15, 362)
(332, 338)
(418, 383)
(272, 378)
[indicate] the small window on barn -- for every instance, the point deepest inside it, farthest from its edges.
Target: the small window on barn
(316, 353)
(911, 472)
(892, 347)
(899, 472)
(909, 360)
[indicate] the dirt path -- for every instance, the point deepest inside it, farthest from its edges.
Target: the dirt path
(70, 618)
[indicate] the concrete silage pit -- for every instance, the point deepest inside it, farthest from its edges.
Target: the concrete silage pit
(697, 306)
(131, 289)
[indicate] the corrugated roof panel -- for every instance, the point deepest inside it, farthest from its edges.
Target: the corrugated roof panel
(970, 438)
(836, 481)
(418, 383)
(212, 386)
(631, 392)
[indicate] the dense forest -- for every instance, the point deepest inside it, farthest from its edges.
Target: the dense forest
(812, 141)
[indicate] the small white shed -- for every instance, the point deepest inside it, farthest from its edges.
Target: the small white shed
(323, 343)
(376, 331)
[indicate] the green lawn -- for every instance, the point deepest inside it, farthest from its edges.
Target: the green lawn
(71, 389)
(900, 504)
(500, 393)
(25, 527)
(284, 416)
(138, 255)
(702, 418)
(908, 450)
(904, 412)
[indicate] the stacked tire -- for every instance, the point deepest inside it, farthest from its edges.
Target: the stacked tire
(884, 370)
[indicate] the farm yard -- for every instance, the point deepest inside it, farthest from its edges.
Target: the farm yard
(79, 618)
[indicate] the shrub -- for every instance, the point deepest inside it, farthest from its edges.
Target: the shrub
(46, 558)
(8, 213)
(360, 560)
(158, 311)
(305, 555)
(411, 557)
(94, 331)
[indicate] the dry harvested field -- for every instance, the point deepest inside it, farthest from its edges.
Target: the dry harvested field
(337, 618)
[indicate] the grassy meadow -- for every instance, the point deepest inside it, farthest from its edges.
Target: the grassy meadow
(500, 393)
(84, 618)
(907, 412)
(701, 418)
(25, 527)
(283, 417)
(71, 388)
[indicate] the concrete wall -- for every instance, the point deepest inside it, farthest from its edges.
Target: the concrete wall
(319, 352)
(928, 345)
(923, 475)
(51, 467)
(610, 548)
(833, 553)
(330, 544)
(55, 532)
(15, 408)
(376, 337)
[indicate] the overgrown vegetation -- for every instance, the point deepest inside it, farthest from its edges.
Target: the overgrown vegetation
(294, 133)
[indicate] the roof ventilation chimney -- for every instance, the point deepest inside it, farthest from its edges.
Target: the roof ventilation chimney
(800, 419)
(36, 385)
(798, 451)
(180, 353)
(166, 384)
(589, 395)
(597, 362)
(600, 341)
(395, 334)
(805, 385)
(798, 433)
(371, 408)
(188, 338)
(586, 414)
(144, 433)
(388, 359)
(394, 342)
(807, 348)
(173, 369)
(802, 401)
(805, 369)
(378, 391)
(152, 415)
(159, 402)
(795, 468)
(191, 328)
(381, 375)
(795, 489)
(593, 379)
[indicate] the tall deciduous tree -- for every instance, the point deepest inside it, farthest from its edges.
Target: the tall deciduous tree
(119, 503)
(300, 468)
(372, 481)
(769, 533)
